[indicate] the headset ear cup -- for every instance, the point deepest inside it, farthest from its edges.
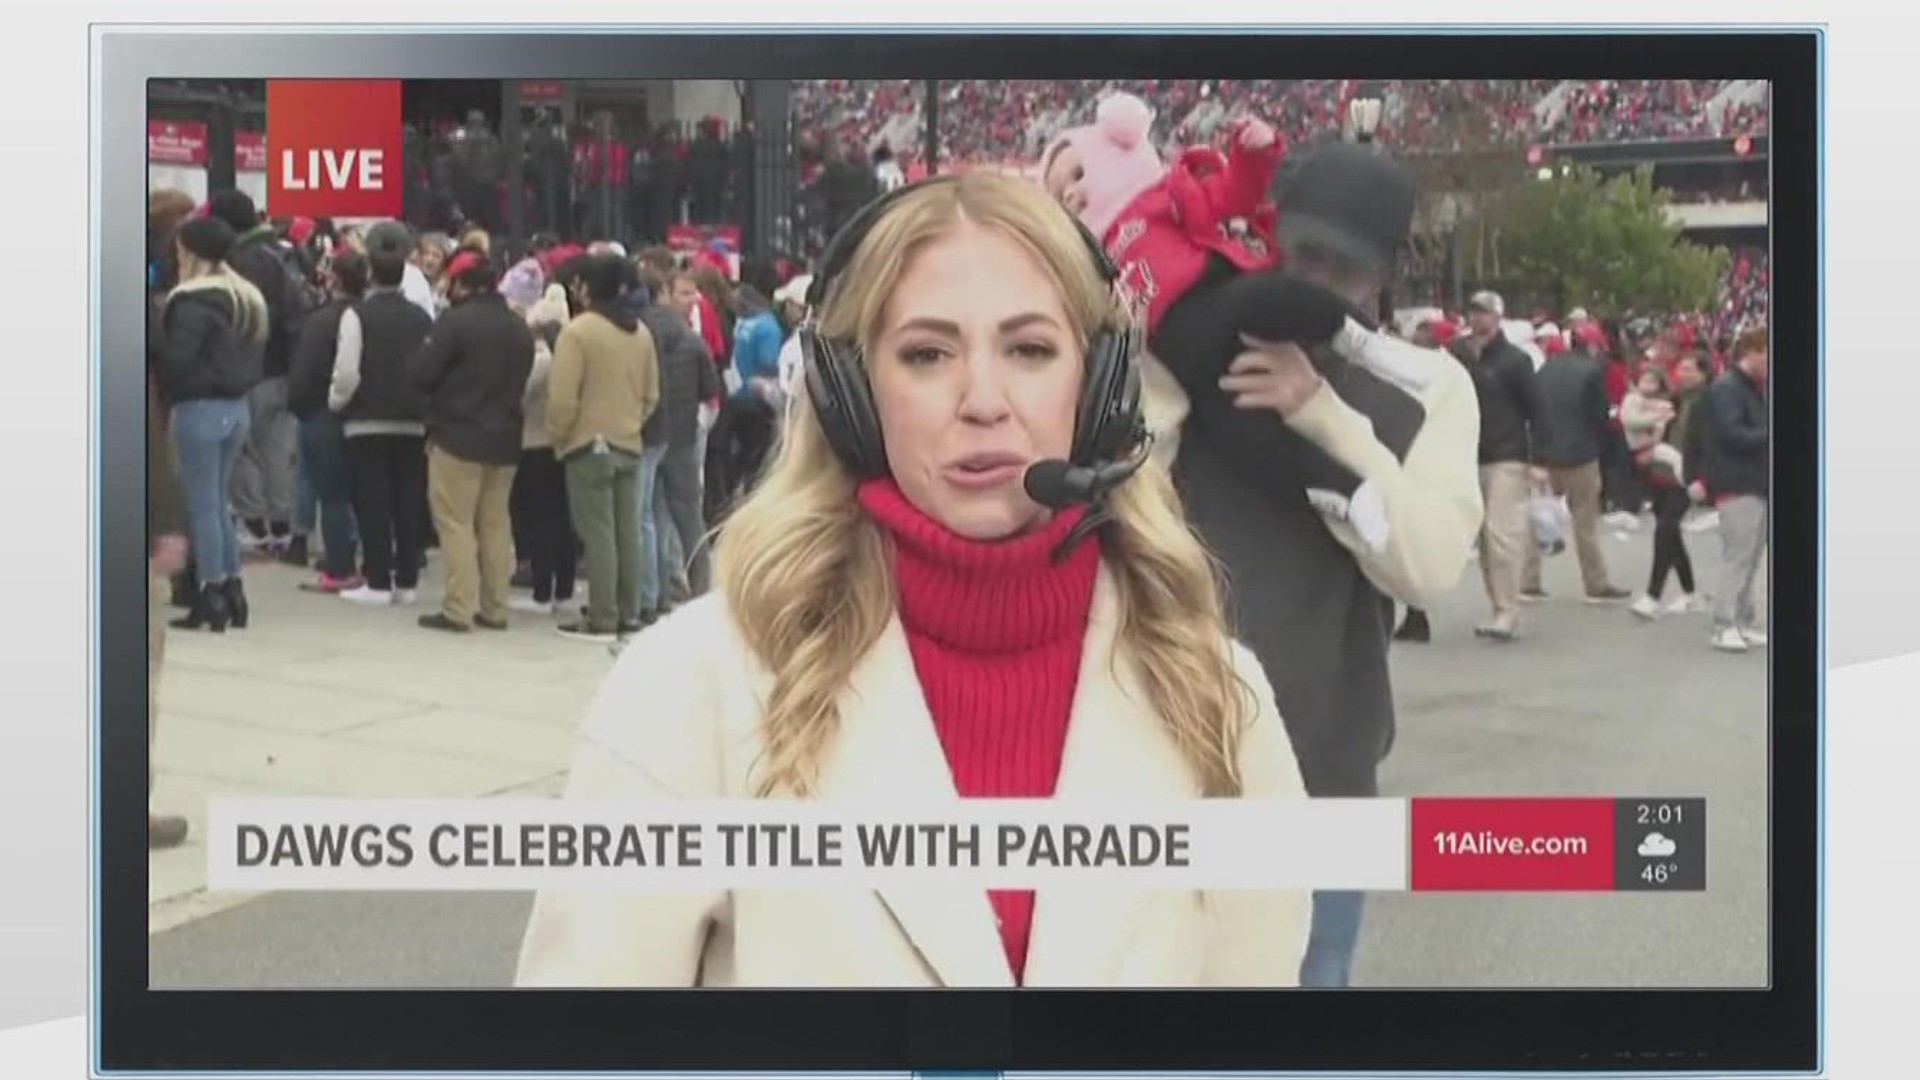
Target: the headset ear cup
(1109, 417)
(843, 406)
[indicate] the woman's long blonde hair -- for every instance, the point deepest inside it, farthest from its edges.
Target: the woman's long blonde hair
(807, 575)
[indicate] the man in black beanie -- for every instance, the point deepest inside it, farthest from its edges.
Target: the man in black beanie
(263, 479)
(1329, 476)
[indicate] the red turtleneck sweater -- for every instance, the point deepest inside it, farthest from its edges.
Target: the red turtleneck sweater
(996, 631)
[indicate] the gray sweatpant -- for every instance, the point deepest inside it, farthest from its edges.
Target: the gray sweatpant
(263, 477)
(678, 485)
(1743, 538)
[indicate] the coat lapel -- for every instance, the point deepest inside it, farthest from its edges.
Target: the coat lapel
(888, 755)
(1117, 752)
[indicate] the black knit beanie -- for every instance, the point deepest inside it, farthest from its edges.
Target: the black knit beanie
(208, 238)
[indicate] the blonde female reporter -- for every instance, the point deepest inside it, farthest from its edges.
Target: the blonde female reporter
(909, 638)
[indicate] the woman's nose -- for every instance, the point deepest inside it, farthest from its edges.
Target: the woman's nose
(983, 399)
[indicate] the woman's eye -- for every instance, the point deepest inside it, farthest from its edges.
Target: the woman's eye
(922, 355)
(1035, 350)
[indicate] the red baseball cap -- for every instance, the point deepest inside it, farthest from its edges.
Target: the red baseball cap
(462, 263)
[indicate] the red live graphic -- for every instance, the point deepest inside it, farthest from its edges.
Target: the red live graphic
(1513, 845)
(334, 148)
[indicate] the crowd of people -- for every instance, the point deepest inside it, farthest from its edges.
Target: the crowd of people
(359, 400)
(1617, 420)
(1012, 120)
(604, 176)
(1622, 110)
(319, 451)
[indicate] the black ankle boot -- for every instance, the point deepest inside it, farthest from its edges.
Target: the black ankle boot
(237, 609)
(183, 589)
(1415, 629)
(210, 610)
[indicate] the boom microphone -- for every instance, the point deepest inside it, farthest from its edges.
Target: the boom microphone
(1057, 484)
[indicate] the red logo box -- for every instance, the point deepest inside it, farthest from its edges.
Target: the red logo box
(1513, 845)
(334, 148)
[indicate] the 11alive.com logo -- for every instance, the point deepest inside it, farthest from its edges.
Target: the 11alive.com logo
(333, 148)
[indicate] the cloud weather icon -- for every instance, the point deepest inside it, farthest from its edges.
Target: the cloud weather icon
(1656, 846)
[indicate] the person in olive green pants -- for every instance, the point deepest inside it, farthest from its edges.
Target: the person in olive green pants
(603, 491)
(604, 383)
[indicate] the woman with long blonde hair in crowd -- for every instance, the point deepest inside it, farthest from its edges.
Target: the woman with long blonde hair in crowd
(896, 621)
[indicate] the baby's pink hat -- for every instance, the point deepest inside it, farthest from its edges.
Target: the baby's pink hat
(1118, 156)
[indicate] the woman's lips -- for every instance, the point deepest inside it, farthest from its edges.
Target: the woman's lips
(979, 472)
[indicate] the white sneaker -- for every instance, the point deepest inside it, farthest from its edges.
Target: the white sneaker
(367, 595)
(406, 597)
(1704, 521)
(1728, 640)
(1685, 605)
(1646, 608)
(523, 602)
(1622, 521)
(1754, 636)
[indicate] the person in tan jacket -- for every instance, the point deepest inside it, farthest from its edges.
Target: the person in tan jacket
(604, 384)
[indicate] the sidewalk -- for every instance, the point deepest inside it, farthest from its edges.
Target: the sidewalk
(318, 697)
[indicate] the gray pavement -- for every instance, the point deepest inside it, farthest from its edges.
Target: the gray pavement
(320, 699)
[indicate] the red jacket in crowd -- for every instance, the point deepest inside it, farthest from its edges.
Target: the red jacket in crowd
(707, 319)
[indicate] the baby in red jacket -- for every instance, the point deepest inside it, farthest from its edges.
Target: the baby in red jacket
(1164, 226)
(1161, 222)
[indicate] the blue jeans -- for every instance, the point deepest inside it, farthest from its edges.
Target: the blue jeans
(325, 470)
(306, 502)
(207, 436)
(673, 557)
(651, 583)
(1330, 943)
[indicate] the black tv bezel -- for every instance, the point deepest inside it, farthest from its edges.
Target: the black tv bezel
(1770, 1029)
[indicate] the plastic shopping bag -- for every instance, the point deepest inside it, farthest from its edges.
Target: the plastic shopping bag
(1552, 521)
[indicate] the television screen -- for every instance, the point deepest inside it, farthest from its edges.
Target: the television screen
(1107, 531)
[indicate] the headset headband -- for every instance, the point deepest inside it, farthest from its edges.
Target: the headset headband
(840, 250)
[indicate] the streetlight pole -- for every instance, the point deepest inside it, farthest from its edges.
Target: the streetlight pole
(931, 137)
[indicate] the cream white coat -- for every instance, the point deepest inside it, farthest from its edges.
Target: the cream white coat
(679, 716)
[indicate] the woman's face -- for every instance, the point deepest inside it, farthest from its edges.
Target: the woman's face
(432, 260)
(1064, 176)
(976, 374)
(684, 296)
(1650, 384)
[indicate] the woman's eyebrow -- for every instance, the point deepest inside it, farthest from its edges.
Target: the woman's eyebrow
(931, 325)
(1009, 325)
(1031, 318)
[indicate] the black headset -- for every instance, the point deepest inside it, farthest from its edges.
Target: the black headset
(1108, 424)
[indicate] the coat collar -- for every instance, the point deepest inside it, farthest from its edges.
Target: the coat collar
(888, 754)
